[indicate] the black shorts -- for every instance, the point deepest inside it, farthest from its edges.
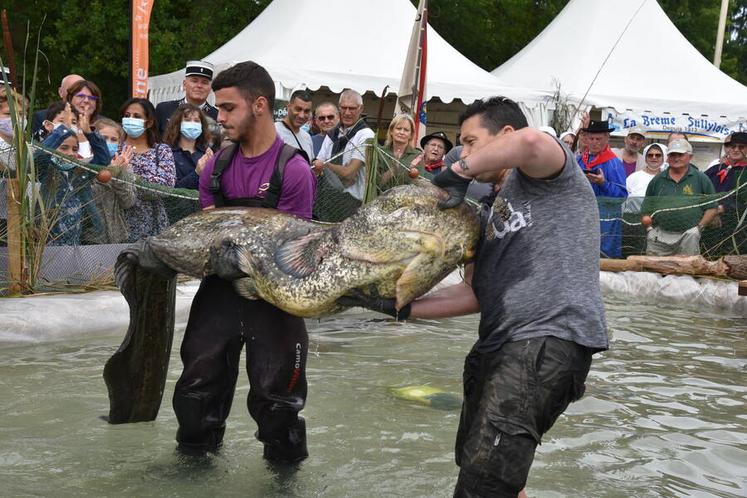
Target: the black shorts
(511, 398)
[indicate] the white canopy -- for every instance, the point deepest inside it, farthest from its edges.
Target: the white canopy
(368, 56)
(651, 65)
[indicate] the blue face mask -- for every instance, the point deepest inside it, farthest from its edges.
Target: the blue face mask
(61, 164)
(306, 127)
(191, 130)
(112, 146)
(134, 127)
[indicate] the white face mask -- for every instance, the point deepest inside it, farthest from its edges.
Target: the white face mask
(6, 126)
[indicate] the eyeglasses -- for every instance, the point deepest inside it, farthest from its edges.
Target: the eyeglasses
(92, 98)
(345, 108)
(654, 156)
(326, 118)
(436, 146)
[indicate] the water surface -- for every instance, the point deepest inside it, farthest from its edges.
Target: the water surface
(664, 415)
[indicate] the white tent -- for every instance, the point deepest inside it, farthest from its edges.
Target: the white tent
(368, 55)
(647, 70)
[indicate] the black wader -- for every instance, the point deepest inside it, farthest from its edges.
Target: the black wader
(220, 322)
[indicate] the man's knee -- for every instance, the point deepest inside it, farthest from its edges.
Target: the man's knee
(495, 462)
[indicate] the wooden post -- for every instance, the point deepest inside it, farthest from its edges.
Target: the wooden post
(743, 288)
(15, 252)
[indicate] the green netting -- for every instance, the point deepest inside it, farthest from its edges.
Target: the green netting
(74, 209)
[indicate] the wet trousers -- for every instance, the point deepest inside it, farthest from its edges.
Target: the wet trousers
(220, 323)
(511, 398)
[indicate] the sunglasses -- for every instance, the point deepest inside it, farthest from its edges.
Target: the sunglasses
(654, 156)
(326, 118)
(92, 98)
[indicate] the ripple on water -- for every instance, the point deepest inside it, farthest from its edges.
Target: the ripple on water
(663, 415)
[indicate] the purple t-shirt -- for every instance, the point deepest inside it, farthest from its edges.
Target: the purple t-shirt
(629, 168)
(250, 177)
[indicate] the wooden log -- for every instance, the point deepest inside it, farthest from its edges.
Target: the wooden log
(737, 266)
(734, 267)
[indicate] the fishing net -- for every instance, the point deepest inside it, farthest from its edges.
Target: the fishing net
(73, 223)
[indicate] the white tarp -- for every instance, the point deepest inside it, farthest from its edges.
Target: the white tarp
(49, 318)
(647, 65)
(369, 56)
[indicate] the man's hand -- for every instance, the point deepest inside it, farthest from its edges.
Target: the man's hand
(455, 185)
(380, 304)
(596, 178)
(318, 166)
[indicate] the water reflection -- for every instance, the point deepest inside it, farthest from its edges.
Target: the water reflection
(664, 415)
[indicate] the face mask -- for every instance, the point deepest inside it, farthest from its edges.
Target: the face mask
(191, 130)
(306, 127)
(112, 146)
(62, 165)
(134, 127)
(6, 126)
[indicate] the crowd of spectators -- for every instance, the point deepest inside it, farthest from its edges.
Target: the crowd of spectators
(169, 146)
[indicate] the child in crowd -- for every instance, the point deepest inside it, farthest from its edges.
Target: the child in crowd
(66, 188)
(115, 195)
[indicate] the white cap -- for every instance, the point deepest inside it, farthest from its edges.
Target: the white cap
(636, 130)
(680, 146)
(199, 68)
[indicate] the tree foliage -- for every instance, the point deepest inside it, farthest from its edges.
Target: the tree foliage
(91, 37)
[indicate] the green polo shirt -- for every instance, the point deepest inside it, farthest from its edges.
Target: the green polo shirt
(663, 192)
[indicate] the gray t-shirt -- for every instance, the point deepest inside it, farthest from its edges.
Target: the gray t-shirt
(537, 266)
(290, 138)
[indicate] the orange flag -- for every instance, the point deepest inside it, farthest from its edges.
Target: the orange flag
(140, 16)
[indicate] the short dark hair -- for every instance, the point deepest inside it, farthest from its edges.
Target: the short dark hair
(57, 107)
(250, 78)
(304, 95)
(151, 133)
(495, 113)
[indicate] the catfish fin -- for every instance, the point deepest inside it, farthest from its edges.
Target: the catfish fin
(301, 257)
(410, 284)
(245, 288)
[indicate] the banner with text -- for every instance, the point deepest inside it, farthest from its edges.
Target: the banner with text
(717, 128)
(140, 16)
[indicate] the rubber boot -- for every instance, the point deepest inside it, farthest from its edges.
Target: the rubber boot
(196, 436)
(293, 449)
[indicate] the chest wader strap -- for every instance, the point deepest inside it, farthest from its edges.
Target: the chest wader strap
(272, 195)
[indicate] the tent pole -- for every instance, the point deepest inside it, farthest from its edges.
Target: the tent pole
(720, 33)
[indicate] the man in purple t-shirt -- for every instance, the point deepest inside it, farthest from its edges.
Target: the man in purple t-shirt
(221, 321)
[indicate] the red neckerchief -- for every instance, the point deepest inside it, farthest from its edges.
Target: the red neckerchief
(724, 172)
(602, 157)
(437, 165)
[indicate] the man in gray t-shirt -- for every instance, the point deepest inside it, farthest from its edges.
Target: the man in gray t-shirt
(535, 282)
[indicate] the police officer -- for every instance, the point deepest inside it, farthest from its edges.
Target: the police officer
(197, 78)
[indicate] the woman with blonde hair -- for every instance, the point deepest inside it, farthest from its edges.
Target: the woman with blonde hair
(400, 155)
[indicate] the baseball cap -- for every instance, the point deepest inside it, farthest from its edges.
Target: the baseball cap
(680, 146)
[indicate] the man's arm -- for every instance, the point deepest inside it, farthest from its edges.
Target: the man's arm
(455, 300)
(708, 216)
(535, 153)
(347, 173)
